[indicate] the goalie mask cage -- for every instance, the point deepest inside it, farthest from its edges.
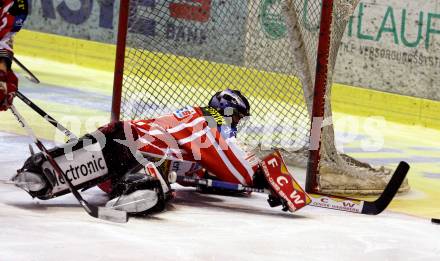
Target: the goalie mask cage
(173, 53)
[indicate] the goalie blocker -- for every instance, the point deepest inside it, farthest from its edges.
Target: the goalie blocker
(283, 184)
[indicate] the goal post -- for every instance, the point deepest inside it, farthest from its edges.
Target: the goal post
(119, 60)
(279, 53)
(318, 105)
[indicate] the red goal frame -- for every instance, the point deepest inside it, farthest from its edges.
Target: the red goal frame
(121, 43)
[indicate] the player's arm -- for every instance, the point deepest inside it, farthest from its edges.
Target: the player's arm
(224, 158)
(13, 14)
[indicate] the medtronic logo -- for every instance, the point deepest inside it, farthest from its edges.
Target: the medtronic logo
(271, 18)
(88, 163)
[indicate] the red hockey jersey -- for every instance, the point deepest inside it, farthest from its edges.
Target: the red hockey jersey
(196, 134)
(13, 13)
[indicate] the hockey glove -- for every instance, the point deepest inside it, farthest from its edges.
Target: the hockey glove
(8, 87)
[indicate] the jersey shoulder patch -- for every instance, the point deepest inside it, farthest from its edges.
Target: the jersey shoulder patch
(184, 112)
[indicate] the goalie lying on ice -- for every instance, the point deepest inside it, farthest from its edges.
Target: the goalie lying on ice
(130, 159)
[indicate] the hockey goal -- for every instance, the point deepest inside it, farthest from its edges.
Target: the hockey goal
(174, 53)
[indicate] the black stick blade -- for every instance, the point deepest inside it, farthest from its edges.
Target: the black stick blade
(380, 204)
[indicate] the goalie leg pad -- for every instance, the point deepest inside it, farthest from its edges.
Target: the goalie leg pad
(84, 166)
(136, 202)
(141, 191)
(86, 162)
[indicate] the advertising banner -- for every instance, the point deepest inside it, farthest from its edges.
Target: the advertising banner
(393, 46)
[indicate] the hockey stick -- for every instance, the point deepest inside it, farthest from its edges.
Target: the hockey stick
(46, 116)
(97, 212)
(365, 207)
(31, 76)
(324, 201)
(210, 183)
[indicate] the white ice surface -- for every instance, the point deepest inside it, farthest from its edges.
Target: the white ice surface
(199, 227)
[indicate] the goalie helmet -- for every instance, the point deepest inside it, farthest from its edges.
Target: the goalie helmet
(230, 99)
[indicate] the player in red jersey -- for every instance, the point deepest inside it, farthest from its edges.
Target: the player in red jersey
(12, 16)
(129, 156)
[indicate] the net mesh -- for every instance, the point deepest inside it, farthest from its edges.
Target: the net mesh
(181, 53)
